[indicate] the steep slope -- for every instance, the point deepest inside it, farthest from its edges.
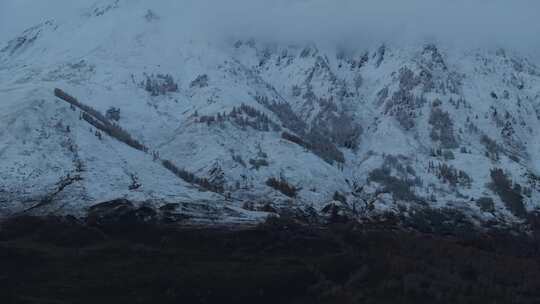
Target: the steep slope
(246, 125)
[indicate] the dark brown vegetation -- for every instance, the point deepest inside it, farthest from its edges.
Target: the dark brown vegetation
(191, 178)
(159, 84)
(129, 259)
(101, 122)
(509, 192)
(282, 186)
(443, 128)
(243, 116)
(314, 139)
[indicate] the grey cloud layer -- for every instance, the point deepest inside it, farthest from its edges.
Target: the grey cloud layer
(472, 22)
(475, 23)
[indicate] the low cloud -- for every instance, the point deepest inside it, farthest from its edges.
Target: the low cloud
(470, 23)
(494, 23)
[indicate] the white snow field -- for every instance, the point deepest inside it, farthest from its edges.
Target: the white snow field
(425, 124)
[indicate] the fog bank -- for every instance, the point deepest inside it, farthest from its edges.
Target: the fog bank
(465, 23)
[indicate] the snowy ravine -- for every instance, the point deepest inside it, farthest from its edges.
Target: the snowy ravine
(234, 131)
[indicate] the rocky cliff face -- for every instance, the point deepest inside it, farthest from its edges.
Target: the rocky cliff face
(232, 132)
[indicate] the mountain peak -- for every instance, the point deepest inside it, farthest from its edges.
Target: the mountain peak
(157, 119)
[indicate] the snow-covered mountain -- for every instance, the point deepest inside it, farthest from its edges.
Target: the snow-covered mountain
(232, 131)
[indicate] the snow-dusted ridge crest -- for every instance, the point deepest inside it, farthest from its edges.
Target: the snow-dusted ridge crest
(231, 132)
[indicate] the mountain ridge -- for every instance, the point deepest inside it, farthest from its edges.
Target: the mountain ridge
(275, 126)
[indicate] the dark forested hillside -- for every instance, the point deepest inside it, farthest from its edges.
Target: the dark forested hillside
(63, 260)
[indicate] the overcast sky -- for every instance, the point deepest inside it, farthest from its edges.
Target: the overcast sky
(495, 23)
